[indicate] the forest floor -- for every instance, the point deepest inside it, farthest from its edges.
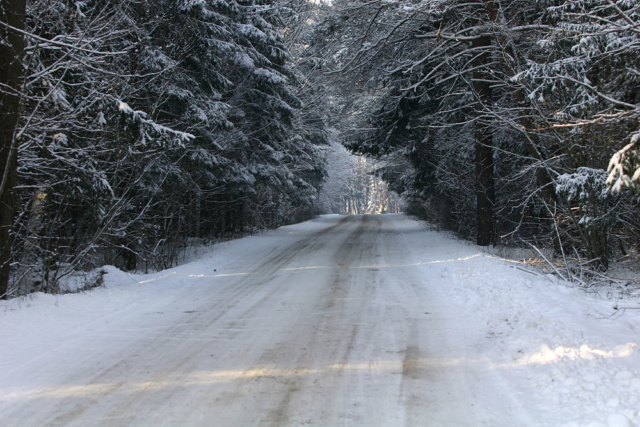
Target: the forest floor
(353, 321)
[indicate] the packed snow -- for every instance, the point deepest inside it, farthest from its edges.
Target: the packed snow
(371, 320)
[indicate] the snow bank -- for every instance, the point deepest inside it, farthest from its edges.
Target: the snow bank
(570, 354)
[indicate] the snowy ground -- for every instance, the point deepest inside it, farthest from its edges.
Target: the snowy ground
(355, 321)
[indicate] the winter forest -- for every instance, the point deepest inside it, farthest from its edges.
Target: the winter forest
(131, 130)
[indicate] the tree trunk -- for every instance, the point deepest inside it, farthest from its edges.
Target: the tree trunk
(485, 193)
(12, 13)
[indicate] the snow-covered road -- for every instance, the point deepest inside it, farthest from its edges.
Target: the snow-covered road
(341, 321)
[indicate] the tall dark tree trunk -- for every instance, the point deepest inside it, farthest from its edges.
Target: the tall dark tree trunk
(485, 192)
(12, 14)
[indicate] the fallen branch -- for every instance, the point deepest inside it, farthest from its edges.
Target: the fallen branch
(548, 262)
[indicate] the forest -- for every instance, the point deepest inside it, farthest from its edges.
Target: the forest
(130, 130)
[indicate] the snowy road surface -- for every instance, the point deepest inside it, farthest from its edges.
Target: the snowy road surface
(341, 321)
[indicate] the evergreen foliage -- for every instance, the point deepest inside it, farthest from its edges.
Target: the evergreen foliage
(148, 126)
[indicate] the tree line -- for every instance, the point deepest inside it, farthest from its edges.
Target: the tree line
(506, 121)
(132, 129)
